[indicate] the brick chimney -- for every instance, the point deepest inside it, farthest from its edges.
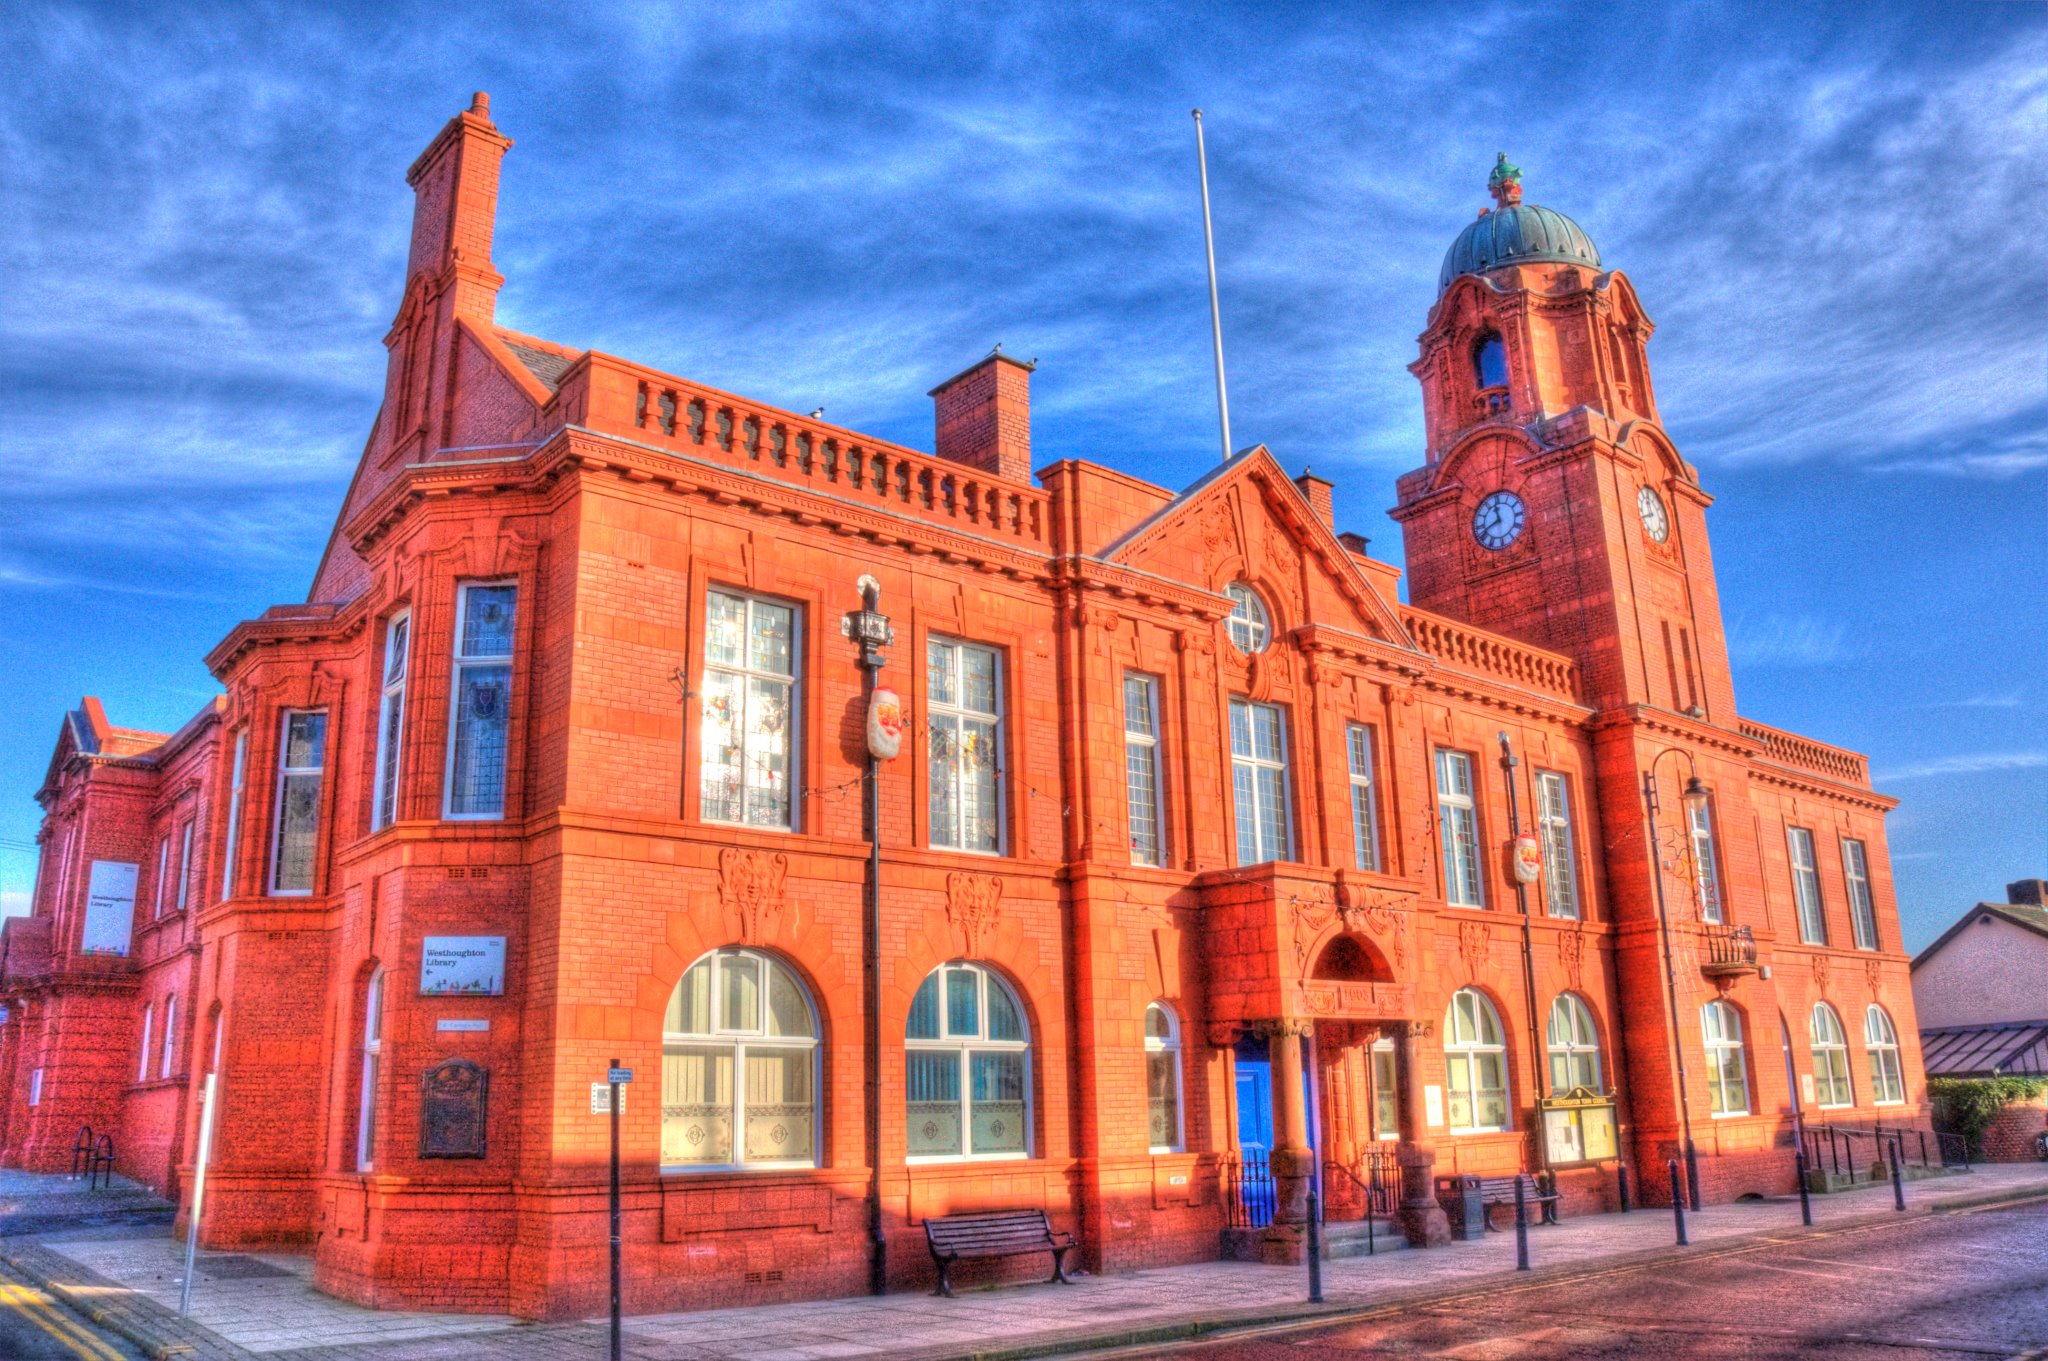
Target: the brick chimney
(1318, 492)
(984, 416)
(2028, 893)
(455, 209)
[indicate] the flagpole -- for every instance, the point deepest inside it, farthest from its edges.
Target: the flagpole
(1215, 311)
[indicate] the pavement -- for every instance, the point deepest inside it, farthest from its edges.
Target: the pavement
(264, 1305)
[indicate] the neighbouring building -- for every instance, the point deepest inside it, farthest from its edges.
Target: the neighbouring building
(1981, 990)
(1199, 875)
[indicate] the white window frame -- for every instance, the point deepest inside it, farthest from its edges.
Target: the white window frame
(163, 875)
(170, 1044)
(463, 661)
(1249, 764)
(1881, 1048)
(373, 1056)
(1699, 825)
(1721, 1037)
(185, 863)
(1567, 1042)
(148, 1038)
(1385, 1089)
(958, 714)
(745, 673)
(1250, 623)
(35, 1087)
(1463, 1054)
(1813, 917)
(1831, 1078)
(236, 782)
(1560, 847)
(1168, 1047)
(285, 774)
(1360, 747)
(1144, 782)
(968, 1045)
(387, 777)
(742, 1040)
(1457, 822)
(1862, 907)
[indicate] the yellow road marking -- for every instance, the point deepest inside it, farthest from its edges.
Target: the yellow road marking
(45, 1313)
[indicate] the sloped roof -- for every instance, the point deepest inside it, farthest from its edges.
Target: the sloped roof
(543, 359)
(2009, 1048)
(2023, 915)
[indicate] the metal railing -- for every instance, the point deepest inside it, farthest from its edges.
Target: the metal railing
(1841, 1149)
(1372, 1185)
(93, 1158)
(1249, 1195)
(1730, 948)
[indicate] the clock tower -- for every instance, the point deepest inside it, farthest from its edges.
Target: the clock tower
(1552, 506)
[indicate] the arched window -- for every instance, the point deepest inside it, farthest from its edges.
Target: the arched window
(1574, 1046)
(1162, 1077)
(967, 1067)
(1477, 1063)
(1881, 1042)
(373, 1050)
(1248, 623)
(1727, 1078)
(739, 1066)
(1490, 361)
(1830, 1059)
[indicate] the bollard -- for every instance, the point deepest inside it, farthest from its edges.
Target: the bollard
(1315, 1251)
(1521, 1228)
(1692, 1176)
(1898, 1178)
(1621, 1179)
(1678, 1204)
(1805, 1201)
(1371, 1249)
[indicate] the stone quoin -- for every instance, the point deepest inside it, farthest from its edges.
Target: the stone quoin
(1197, 867)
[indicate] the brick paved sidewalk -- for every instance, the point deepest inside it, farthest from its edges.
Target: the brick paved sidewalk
(266, 1304)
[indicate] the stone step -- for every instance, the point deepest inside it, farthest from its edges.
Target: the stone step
(1349, 1238)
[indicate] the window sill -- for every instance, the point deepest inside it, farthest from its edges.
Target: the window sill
(950, 1159)
(1729, 1115)
(688, 1170)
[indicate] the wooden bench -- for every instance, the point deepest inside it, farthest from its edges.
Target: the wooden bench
(996, 1233)
(1539, 1193)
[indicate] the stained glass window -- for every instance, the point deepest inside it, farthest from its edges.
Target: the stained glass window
(482, 702)
(301, 759)
(1162, 1077)
(750, 695)
(963, 693)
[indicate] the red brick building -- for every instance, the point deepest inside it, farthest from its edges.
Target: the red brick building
(1198, 861)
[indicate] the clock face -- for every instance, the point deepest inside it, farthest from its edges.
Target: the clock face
(1499, 520)
(1656, 523)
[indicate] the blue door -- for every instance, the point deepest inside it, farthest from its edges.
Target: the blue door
(1254, 1103)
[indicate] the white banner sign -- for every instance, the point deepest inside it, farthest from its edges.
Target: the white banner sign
(109, 908)
(463, 966)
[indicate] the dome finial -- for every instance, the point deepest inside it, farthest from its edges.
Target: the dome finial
(1505, 183)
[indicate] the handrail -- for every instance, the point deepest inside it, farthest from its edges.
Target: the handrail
(1730, 947)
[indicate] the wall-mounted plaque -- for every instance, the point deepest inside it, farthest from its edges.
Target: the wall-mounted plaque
(109, 908)
(454, 1099)
(462, 966)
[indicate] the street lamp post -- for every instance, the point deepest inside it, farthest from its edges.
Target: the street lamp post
(1695, 797)
(1508, 762)
(870, 628)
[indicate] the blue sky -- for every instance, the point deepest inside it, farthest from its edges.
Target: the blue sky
(1832, 212)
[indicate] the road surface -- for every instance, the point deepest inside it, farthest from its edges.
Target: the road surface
(35, 1327)
(1966, 1285)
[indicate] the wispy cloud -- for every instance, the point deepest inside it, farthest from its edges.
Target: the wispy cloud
(1978, 763)
(2009, 699)
(1788, 640)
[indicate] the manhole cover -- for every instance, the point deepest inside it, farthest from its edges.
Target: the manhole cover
(235, 1266)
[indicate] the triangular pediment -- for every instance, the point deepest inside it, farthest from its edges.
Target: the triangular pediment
(1246, 520)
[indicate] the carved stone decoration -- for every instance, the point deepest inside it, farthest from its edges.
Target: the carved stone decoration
(1375, 914)
(973, 903)
(1475, 942)
(1218, 532)
(750, 887)
(1820, 975)
(1312, 916)
(1571, 953)
(1873, 974)
(454, 1105)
